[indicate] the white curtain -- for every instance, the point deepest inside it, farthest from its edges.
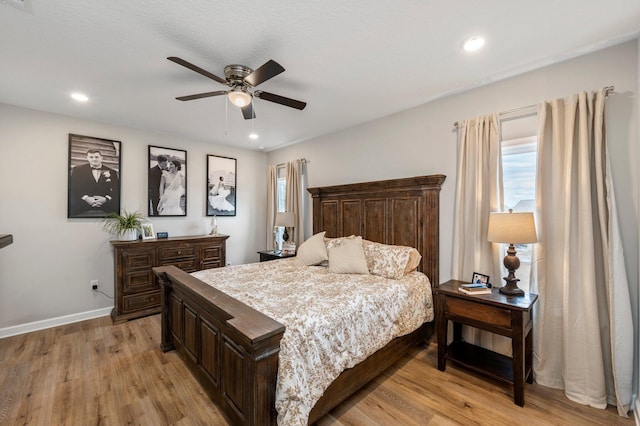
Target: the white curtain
(272, 202)
(294, 199)
(478, 192)
(583, 330)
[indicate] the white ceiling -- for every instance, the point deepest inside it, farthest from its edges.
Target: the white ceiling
(351, 61)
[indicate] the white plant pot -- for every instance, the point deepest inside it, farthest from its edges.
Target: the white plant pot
(129, 235)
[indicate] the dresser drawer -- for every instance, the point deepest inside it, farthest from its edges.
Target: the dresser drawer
(176, 252)
(137, 259)
(186, 264)
(211, 253)
(210, 264)
(141, 301)
(137, 281)
(475, 311)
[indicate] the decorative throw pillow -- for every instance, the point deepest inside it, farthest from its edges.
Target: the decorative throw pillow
(313, 251)
(348, 257)
(335, 242)
(390, 261)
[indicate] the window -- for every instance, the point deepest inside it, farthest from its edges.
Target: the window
(519, 181)
(281, 189)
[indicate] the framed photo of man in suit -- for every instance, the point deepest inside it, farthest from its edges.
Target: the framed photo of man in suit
(94, 177)
(167, 182)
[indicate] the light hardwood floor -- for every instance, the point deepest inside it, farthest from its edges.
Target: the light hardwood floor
(96, 373)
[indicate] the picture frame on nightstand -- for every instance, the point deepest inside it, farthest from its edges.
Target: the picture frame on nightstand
(479, 278)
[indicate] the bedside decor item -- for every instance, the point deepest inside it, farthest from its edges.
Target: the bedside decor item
(94, 184)
(125, 226)
(162, 235)
(512, 228)
(287, 220)
(474, 289)
(479, 278)
(167, 182)
(221, 186)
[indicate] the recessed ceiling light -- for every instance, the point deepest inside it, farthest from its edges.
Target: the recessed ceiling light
(80, 97)
(253, 136)
(473, 43)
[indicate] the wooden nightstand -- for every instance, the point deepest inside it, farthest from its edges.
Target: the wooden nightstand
(267, 255)
(498, 313)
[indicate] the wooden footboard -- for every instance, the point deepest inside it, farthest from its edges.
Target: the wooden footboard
(231, 348)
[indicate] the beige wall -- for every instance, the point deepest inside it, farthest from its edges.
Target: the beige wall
(45, 273)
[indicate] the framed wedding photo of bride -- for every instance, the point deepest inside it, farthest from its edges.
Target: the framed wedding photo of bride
(167, 182)
(221, 186)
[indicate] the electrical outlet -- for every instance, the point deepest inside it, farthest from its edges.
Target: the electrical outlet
(94, 284)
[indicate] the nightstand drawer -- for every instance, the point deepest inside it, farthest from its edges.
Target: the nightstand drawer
(475, 311)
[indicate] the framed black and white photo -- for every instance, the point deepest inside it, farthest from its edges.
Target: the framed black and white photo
(167, 182)
(94, 177)
(221, 186)
(479, 278)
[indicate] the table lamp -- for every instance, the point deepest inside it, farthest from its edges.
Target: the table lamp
(512, 228)
(287, 220)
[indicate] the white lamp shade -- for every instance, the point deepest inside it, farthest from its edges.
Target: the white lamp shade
(239, 98)
(512, 228)
(285, 219)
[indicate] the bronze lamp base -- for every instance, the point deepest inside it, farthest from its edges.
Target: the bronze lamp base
(511, 262)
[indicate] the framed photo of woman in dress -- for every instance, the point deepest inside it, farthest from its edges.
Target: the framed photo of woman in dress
(167, 182)
(221, 186)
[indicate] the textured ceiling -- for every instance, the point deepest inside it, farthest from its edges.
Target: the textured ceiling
(351, 61)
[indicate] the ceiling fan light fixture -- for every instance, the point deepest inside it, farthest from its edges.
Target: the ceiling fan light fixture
(239, 97)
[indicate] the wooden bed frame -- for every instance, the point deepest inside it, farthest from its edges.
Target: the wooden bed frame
(233, 349)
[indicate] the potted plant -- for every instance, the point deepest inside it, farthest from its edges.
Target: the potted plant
(125, 226)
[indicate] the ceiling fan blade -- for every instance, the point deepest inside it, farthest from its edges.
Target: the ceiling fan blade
(269, 70)
(248, 112)
(271, 97)
(202, 95)
(197, 69)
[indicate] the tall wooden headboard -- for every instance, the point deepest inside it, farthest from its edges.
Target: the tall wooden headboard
(397, 211)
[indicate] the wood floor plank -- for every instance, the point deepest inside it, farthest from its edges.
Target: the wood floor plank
(94, 372)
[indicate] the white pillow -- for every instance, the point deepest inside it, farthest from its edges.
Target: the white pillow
(313, 251)
(348, 258)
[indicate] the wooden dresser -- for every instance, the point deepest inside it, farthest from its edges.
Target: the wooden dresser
(137, 291)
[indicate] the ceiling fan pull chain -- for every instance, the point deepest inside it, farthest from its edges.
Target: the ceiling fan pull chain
(226, 117)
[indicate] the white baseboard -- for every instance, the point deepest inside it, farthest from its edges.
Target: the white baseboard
(53, 322)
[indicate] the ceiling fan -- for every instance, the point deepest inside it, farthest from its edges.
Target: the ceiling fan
(242, 80)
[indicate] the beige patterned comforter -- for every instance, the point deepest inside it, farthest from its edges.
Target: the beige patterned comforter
(333, 321)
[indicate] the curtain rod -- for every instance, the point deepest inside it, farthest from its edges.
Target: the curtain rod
(304, 161)
(607, 91)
